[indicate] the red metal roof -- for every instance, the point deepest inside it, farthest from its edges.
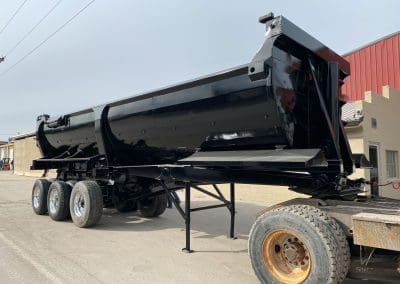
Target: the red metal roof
(373, 66)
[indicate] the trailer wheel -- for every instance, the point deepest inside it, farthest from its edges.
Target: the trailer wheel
(292, 245)
(86, 203)
(153, 206)
(58, 200)
(39, 196)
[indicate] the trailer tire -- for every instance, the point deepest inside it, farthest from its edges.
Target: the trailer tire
(163, 204)
(86, 203)
(71, 183)
(58, 200)
(39, 196)
(153, 206)
(288, 238)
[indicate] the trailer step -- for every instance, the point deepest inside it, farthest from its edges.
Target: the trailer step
(280, 158)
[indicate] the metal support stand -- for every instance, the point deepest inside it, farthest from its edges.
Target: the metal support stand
(186, 213)
(187, 218)
(232, 210)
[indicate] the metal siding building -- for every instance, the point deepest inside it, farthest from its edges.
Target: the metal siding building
(373, 66)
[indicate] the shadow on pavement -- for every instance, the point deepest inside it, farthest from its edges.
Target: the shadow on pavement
(204, 224)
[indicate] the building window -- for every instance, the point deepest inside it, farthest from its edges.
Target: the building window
(392, 164)
(373, 123)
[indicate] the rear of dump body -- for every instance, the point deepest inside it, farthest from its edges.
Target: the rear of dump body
(281, 99)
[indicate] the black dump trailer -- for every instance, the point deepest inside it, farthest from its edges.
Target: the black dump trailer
(273, 121)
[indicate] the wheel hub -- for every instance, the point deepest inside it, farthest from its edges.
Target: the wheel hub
(79, 205)
(36, 196)
(286, 257)
(294, 252)
(54, 201)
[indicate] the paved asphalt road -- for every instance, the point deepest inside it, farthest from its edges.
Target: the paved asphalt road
(122, 248)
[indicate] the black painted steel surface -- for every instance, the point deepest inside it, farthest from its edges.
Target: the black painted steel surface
(270, 103)
(227, 114)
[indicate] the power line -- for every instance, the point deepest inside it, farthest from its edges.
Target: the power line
(47, 38)
(33, 28)
(13, 16)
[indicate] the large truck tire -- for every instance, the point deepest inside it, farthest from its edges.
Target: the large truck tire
(58, 200)
(292, 244)
(342, 243)
(153, 206)
(86, 203)
(39, 196)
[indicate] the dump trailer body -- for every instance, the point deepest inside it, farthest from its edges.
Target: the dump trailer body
(277, 101)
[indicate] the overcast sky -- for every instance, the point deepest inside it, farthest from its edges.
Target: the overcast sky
(118, 48)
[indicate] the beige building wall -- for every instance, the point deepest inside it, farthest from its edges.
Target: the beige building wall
(2, 152)
(7, 151)
(386, 110)
(25, 150)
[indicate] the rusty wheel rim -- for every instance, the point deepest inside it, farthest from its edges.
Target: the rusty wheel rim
(286, 257)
